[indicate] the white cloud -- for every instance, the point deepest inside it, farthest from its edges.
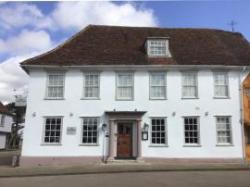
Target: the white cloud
(26, 42)
(65, 15)
(76, 15)
(25, 45)
(12, 77)
(19, 14)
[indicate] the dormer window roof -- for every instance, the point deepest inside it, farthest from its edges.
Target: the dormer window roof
(158, 47)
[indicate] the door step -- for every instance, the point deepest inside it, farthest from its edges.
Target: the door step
(126, 162)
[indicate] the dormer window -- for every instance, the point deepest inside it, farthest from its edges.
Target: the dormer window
(158, 47)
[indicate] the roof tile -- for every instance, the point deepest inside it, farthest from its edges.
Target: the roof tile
(114, 45)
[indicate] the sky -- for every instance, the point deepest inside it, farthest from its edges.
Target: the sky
(31, 28)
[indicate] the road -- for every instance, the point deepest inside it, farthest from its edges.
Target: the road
(147, 179)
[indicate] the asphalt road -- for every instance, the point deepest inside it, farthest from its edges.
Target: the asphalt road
(147, 179)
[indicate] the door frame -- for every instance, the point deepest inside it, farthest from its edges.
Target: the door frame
(131, 122)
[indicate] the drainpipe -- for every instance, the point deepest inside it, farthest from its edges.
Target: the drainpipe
(242, 113)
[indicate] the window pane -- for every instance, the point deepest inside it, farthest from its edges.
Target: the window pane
(189, 91)
(91, 86)
(223, 125)
(157, 79)
(55, 86)
(221, 84)
(191, 130)
(52, 130)
(158, 131)
(157, 85)
(124, 86)
(157, 47)
(89, 131)
(125, 80)
(189, 85)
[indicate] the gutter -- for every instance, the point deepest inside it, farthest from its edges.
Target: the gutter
(130, 67)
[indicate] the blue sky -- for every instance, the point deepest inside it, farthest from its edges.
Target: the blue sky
(196, 14)
(31, 28)
(204, 14)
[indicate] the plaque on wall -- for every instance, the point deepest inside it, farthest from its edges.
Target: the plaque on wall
(71, 130)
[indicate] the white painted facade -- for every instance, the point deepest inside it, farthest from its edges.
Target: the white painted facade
(72, 108)
(5, 128)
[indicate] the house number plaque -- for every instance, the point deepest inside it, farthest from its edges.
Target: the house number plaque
(71, 130)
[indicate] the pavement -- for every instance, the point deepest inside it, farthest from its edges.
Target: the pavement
(142, 179)
(116, 168)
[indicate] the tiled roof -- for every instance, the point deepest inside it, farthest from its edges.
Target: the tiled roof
(113, 45)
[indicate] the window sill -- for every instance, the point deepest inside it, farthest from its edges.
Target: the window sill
(86, 98)
(215, 97)
(153, 145)
(51, 144)
(192, 145)
(159, 56)
(184, 98)
(51, 98)
(224, 145)
(88, 144)
(124, 99)
(155, 99)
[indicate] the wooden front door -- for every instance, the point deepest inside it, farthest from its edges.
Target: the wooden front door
(124, 140)
(247, 138)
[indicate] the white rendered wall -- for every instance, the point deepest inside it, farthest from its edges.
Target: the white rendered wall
(32, 145)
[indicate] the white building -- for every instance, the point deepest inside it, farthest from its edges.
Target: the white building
(141, 93)
(6, 121)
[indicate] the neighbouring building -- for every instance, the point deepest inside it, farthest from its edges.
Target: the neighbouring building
(6, 120)
(18, 109)
(152, 94)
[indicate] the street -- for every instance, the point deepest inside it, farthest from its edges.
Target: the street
(146, 179)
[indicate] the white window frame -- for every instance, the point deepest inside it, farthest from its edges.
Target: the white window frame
(47, 85)
(198, 131)
(97, 131)
(84, 86)
(151, 131)
(44, 130)
(224, 85)
(118, 86)
(183, 75)
(230, 132)
(151, 86)
(149, 45)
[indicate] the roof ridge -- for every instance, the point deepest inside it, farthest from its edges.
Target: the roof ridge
(161, 28)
